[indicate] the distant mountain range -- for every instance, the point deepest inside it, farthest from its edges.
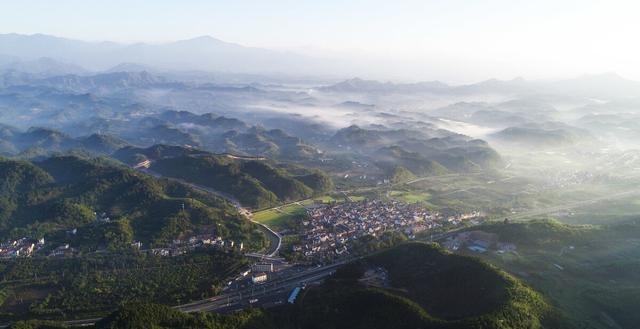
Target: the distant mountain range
(46, 56)
(542, 135)
(358, 85)
(607, 85)
(42, 66)
(202, 53)
(43, 141)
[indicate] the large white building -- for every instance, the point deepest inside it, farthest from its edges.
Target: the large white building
(259, 277)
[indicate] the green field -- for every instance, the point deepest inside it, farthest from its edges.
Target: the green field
(281, 218)
(589, 272)
(421, 197)
(286, 217)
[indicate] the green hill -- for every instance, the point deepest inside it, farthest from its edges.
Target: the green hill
(393, 156)
(67, 200)
(588, 272)
(422, 287)
(426, 288)
(62, 193)
(254, 183)
(542, 135)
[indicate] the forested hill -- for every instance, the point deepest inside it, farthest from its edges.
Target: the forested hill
(255, 183)
(413, 285)
(59, 195)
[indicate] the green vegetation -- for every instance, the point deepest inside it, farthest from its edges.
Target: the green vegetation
(256, 184)
(146, 315)
(48, 198)
(404, 164)
(280, 218)
(97, 283)
(426, 288)
(38, 324)
(589, 272)
(411, 197)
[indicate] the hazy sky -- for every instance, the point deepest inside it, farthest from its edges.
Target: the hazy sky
(452, 40)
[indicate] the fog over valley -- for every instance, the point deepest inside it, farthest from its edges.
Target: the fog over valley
(261, 165)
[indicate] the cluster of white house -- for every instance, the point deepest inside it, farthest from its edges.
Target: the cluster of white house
(328, 229)
(181, 246)
(23, 247)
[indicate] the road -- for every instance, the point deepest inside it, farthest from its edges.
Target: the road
(275, 240)
(267, 295)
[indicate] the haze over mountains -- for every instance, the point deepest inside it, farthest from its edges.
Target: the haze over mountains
(189, 137)
(47, 55)
(60, 95)
(200, 53)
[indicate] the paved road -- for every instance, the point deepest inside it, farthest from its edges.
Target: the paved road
(274, 238)
(267, 295)
(270, 294)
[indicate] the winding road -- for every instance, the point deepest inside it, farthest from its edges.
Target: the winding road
(275, 240)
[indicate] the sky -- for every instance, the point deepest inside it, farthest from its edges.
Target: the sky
(449, 40)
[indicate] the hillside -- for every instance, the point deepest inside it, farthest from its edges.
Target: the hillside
(428, 151)
(159, 316)
(103, 235)
(588, 272)
(390, 157)
(410, 286)
(254, 183)
(37, 141)
(63, 193)
(418, 286)
(95, 284)
(546, 135)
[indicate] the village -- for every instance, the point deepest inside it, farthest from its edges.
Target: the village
(23, 247)
(28, 247)
(329, 229)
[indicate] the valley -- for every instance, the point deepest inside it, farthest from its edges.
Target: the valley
(132, 186)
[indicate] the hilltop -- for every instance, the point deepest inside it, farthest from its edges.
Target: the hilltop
(257, 183)
(416, 285)
(47, 198)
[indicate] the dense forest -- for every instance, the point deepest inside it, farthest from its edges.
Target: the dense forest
(52, 197)
(589, 272)
(254, 181)
(426, 287)
(96, 284)
(413, 285)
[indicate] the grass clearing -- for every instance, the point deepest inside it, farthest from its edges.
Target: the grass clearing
(410, 196)
(280, 218)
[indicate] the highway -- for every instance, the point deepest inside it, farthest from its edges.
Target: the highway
(267, 293)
